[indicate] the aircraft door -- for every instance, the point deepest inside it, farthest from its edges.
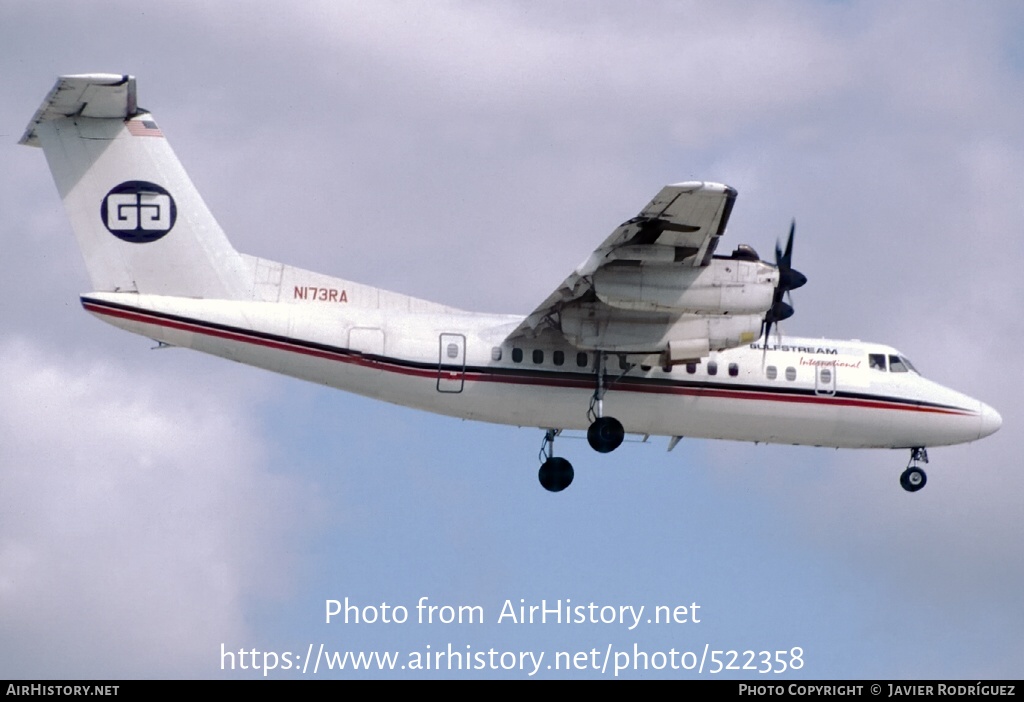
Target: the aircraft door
(825, 380)
(451, 363)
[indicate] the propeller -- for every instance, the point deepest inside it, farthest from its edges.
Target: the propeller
(789, 279)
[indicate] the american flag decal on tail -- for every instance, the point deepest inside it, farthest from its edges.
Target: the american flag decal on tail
(143, 127)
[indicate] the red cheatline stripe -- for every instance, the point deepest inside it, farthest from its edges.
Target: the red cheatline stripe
(496, 376)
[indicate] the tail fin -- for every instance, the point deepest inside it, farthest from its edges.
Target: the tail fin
(139, 220)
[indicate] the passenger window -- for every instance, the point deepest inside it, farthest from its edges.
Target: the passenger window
(517, 355)
(666, 369)
(734, 370)
(645, 368)
(453, 351)
(538, 356)
(712, 368)
(896, 365)
(876, 361)
(691, 368)
(791, 373)
(825, 376)
(559, 357)
(581, 359)
(496, 353)
(771, 372)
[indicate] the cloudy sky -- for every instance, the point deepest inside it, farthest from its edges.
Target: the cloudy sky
(156, 506)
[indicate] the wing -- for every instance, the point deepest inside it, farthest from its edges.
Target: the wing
(673, 237)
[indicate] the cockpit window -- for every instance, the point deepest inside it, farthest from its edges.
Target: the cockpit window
(896, 364)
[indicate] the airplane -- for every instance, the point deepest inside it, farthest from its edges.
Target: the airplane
(654, 334)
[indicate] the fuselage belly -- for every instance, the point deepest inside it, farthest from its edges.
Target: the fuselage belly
(858, 407)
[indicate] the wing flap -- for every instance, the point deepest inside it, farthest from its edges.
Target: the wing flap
(689, 217)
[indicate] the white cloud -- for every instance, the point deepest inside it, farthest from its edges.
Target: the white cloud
(137, 518)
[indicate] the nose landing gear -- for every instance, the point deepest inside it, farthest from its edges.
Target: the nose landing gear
(914, 478)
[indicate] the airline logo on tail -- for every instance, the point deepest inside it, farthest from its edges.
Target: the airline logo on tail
(138, 211)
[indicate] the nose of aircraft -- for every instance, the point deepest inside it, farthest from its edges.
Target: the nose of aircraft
(990, 421)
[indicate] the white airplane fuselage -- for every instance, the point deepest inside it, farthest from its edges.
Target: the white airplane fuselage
(823, 393)
(653, 334)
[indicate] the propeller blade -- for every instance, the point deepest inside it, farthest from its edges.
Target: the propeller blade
(782, 311)
(788, 256)
(789, 279)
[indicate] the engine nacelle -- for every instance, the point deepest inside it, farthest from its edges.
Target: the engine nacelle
(725, 286)
(680, 338)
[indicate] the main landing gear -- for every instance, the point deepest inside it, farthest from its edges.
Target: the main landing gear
(555, 473)
(604, 435)
(914, 478)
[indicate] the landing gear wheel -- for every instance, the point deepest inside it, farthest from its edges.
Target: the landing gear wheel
(605, 434)
(555, 474)
(913, 479)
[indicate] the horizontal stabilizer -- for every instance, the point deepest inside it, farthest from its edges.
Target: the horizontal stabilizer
(97, 95)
